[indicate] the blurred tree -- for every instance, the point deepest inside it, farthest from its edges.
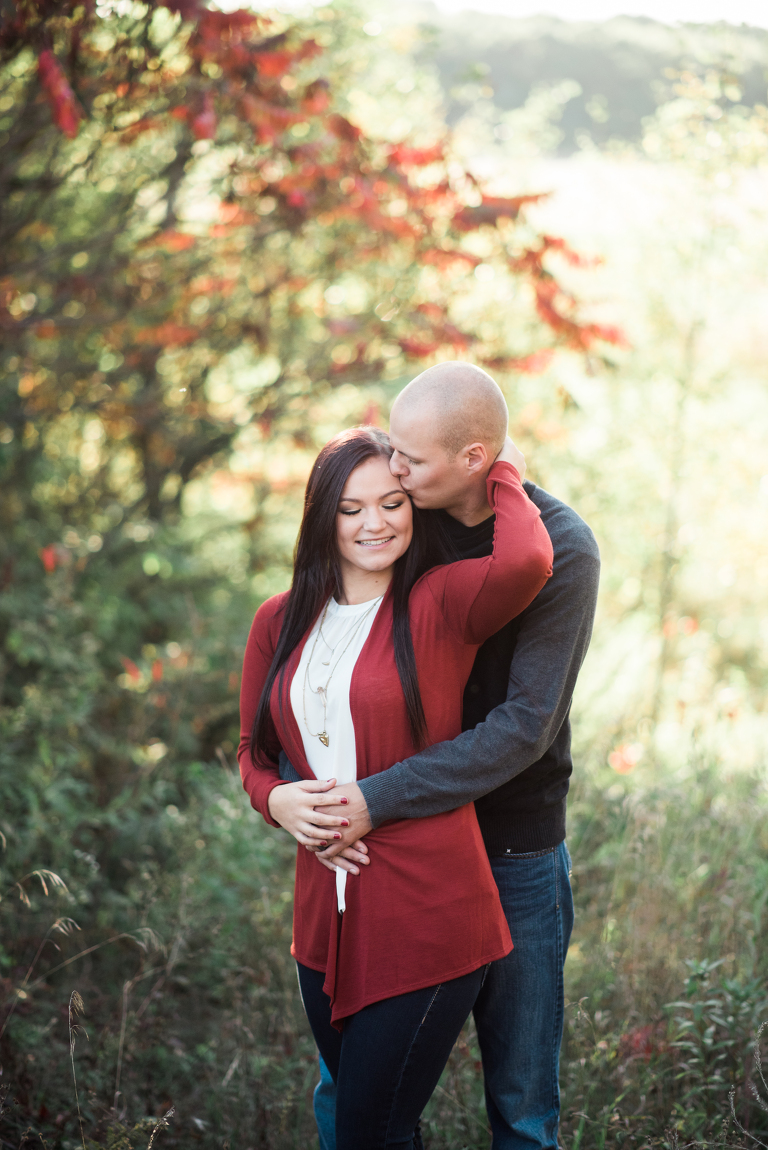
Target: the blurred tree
(179, 187)
(212, 198)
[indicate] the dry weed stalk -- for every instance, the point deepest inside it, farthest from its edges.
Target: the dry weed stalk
(758, 1064)
(76, 1008)
(65, 926)
(163, 1122)
(127, 987)
(54, 879)
(145, 938)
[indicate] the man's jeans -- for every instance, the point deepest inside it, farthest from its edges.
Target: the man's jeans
(519, 1011)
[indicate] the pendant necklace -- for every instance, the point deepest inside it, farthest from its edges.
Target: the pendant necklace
(323, 691)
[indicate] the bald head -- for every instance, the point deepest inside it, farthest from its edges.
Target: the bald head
(460, 404)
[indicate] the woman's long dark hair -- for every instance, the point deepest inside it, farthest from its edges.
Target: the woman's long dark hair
(317, 573)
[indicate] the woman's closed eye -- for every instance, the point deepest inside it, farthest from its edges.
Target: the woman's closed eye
(357, 510)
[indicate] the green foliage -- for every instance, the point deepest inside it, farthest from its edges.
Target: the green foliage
(665, 975)
(196, 1001)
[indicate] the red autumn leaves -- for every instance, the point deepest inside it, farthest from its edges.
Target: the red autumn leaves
(66, 114)
(238, 68)
(134, 673)
(49, 557)
(204, 123)
(491, 209)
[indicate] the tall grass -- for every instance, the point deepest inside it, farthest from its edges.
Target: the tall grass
(193, 1004)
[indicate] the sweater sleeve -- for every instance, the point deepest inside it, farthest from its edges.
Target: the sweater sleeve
(261, 776)
(477, 597)
(549, 651)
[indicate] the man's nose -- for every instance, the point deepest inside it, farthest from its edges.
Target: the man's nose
(396, 465)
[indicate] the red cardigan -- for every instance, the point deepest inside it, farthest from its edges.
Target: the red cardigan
(427, 908)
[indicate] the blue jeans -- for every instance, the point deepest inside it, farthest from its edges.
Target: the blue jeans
(519, 1011)
(389, 1057)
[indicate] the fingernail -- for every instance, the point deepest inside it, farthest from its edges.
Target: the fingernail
(336, 835)
(323, 843)
(343, 800)
(345, 822)
(355, 870)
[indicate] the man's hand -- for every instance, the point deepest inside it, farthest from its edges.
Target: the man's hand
(511, 454)
(312, 811)
(356, 814)
(349, 859)
(349, 851)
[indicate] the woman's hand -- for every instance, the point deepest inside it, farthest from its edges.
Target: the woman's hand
(511, 454)
(349, 859)
(293, 805)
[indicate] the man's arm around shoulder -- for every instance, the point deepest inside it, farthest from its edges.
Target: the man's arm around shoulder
(550, 648)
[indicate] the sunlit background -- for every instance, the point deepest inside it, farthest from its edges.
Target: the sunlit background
(752, 12)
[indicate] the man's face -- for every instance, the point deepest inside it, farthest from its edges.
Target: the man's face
(431, 476)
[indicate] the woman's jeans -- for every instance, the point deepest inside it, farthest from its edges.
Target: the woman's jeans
(388, 1059)
(519, 1011)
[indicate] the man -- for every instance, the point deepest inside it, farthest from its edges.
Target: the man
(513, 758)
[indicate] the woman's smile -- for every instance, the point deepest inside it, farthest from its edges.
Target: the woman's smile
(375, 542)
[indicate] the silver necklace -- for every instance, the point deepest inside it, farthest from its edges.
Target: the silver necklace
(323, 690)
(339, 641)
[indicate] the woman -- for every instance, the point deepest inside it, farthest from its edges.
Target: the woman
(363, 661)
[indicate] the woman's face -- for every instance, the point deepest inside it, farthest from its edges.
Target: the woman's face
(374, 522)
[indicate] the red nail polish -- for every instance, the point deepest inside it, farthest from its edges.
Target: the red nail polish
(343, 800)
(337, 835)
(323, 843)
(345, 822)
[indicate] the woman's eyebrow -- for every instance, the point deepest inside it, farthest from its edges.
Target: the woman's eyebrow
(354, 499)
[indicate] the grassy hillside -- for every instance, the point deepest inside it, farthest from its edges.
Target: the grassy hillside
(620, 65)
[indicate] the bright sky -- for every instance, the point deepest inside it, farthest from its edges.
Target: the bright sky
(753, 12)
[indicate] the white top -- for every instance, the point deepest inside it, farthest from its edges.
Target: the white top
(331, 655)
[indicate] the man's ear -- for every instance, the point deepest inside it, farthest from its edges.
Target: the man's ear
(475, 458)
